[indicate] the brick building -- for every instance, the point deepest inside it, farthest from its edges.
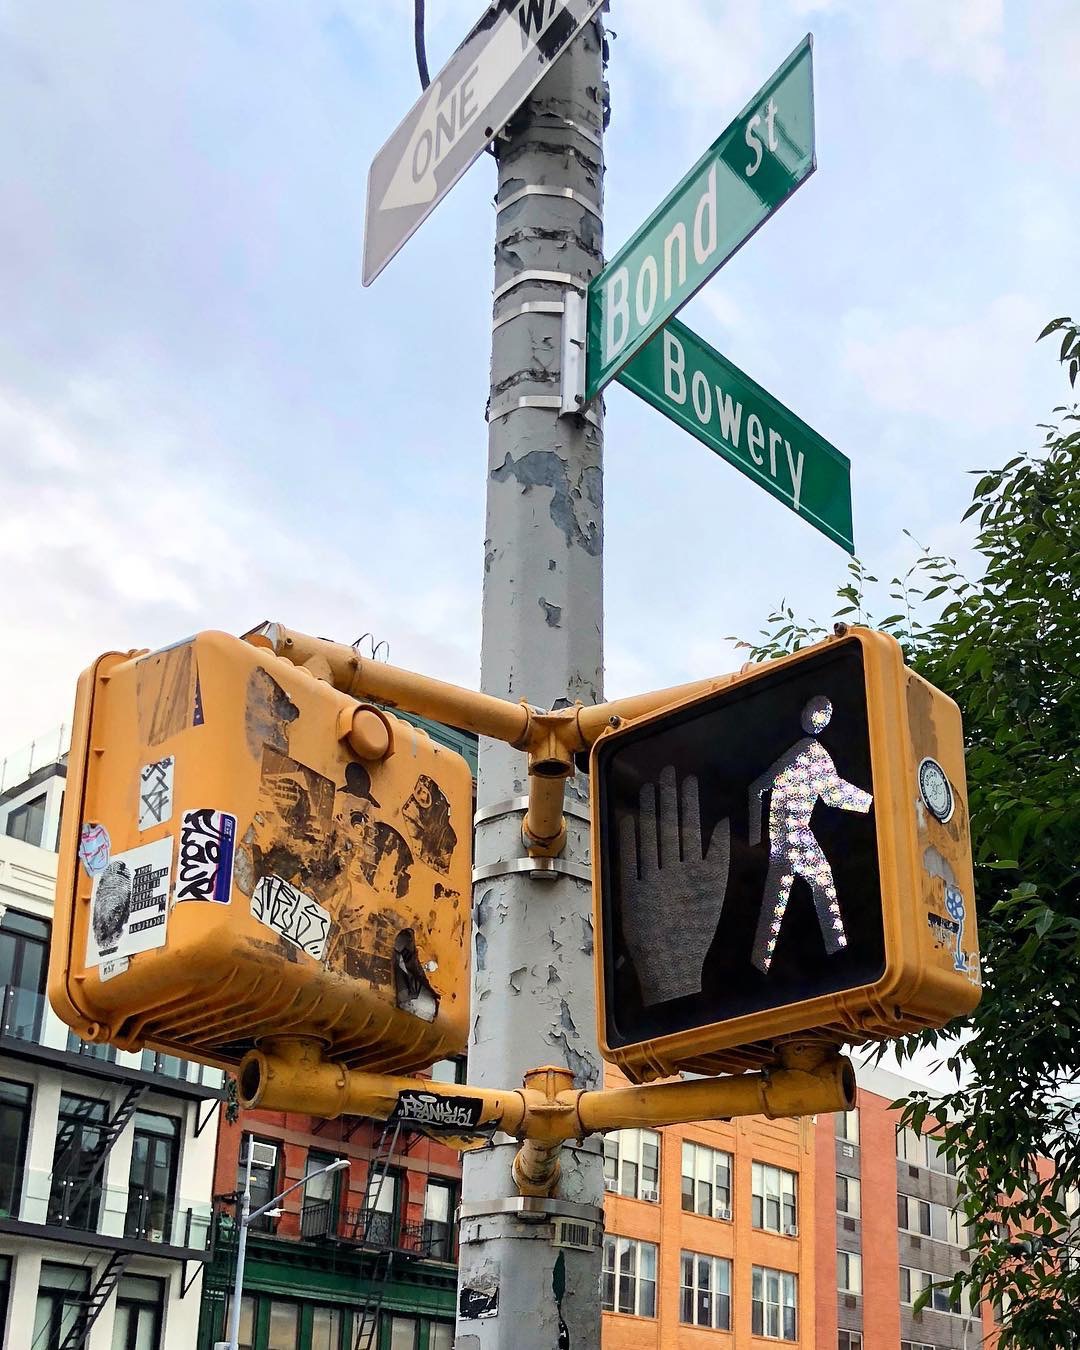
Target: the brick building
(362, 1258)
(885, 1228)
(709, 1230)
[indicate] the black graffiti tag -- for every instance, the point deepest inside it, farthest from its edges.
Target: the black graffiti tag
(292, 914)
(204, 870)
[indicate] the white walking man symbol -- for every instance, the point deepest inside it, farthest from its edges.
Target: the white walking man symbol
(796, 781)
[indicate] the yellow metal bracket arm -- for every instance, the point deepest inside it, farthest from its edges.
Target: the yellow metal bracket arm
(291, 1074)
(549, 739)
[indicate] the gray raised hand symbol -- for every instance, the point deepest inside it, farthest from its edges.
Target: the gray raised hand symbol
(672, 887)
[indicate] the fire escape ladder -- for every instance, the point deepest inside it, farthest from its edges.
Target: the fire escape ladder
(367, 1333)
(79, 1332)
(94, 1163)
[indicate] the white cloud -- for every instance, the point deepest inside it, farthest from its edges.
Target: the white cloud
(952, 371)
(709, 54)
(118, 533)
(964, 37)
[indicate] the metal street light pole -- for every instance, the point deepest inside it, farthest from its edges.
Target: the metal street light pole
(542, 641)
(247, 1217)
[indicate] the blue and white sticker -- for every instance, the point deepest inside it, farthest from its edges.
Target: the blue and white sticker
(94, 848)
(204, 865)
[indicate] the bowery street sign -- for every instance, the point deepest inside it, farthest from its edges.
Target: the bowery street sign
(466, 105)
(695, 386)
(751, 169)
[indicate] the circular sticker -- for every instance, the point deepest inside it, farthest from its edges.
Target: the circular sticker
(936, 789)
(94, 848)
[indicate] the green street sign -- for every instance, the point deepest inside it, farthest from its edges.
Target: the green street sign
(751, 169)
(695, 386)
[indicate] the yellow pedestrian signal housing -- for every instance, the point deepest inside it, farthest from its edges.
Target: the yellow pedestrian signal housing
(788, 856)
(248, 853)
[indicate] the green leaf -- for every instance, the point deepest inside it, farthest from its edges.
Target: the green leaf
(1052, 327)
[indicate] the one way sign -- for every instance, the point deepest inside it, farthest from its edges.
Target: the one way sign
(470, 100)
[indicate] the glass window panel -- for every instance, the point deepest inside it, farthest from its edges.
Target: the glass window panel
(283, 1326)
(403, 1333)
(440, 1336)
(437, 1202)
(325, 1329)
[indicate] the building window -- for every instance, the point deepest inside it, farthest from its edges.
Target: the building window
(27, 822)
(706, 1291)
(449, 1070)
(155, 1153)
(706, 1181)
(915, 1345)
(321, 1203)
(283, 1325)
(439, 1220)
(379, 1219)
(772, 1303)
(849, 1340)
(440, 1336)
(404, 1333)
(139, 1304)
(246, 1339)
(14, 1129)
(264, 1176)
(849, 1272)
(847, 1126)
(24, 958)
(629, 1284)
(913, 1215)
(62, 1294)
(172, 1066)
(773, 1199)
(913, 1282)
(848, 1196)
(632, 1164)
(923, 1150)
(931, 1220)
(75, 1196)
(326, 1329)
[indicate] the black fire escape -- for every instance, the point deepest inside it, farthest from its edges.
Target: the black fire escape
(375, 1228)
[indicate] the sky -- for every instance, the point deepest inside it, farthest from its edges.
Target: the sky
(206, 421)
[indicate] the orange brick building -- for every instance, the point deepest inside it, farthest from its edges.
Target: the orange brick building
(884, 1228)
(710, 1236)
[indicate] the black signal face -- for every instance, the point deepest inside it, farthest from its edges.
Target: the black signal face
(738, 852)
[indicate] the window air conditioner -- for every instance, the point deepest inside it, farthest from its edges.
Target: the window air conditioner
(848, 1150)
(723, 1212)
(791, 1230)
(610, 1185)
(651, 1196)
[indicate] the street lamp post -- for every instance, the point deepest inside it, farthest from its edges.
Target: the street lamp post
(248, 1217)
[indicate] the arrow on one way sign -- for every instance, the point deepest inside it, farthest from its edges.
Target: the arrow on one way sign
(462, 110)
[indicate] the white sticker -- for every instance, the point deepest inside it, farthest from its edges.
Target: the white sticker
(156, 793)
(129, 905)
(108, 969)
(291, 913)
(204, 863)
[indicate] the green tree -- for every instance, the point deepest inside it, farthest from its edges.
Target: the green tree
(1006, 647)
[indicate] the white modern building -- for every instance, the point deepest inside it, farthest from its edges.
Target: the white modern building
(106, 1159)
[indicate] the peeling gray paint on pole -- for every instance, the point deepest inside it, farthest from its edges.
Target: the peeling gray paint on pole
(542, 641)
